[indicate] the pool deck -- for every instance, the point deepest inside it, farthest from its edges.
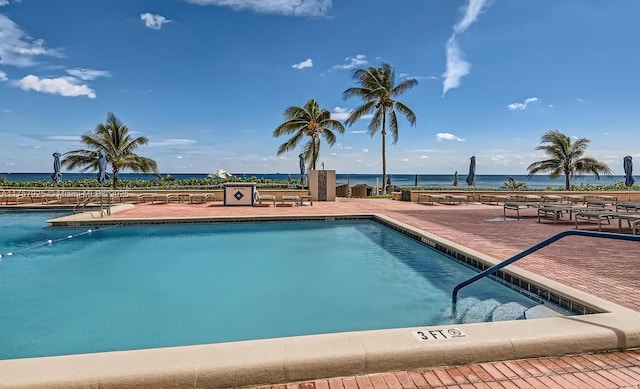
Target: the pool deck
(603, 268)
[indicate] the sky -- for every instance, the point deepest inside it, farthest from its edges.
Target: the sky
(207, 81)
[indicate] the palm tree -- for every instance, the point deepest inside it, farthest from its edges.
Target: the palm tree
(309, 121)
(566, 158)
(512, 184)
(378, 90)
(113, 138)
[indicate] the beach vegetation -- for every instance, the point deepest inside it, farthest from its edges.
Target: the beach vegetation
(377, 87)
(566, 158)
(114, 139)
(308, 121)
(512, 184)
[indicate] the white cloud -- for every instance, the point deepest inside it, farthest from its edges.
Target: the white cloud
(179, 156)
(500, 160)
(3, 76)
(88, 74)
(171, 142)
(308, 63)
(579, 100)
(4, 2)
(281, 7)
(64, 86)
(523, 105)
(358, 132)
(153, 21)
(404, 160)
(353, 62)
(447, 136)
(456, 67)
(17, 48)
(365, 150)
(470, 15)
(404, 76)
(424, 157)
(342, 114)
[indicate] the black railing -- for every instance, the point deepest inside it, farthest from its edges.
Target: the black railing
(544, 243)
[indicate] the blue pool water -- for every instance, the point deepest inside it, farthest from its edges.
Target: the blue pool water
(154, 286)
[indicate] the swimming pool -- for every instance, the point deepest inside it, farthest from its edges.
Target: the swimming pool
(156, 286)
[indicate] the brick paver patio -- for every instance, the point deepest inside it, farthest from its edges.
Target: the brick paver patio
(608, 269)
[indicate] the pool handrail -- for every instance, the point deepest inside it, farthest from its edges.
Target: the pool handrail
(536, 247)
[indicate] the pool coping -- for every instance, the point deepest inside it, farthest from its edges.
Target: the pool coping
(301, 358)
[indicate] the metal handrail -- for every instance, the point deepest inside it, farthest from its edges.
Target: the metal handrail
(88, 200)
(532, 249)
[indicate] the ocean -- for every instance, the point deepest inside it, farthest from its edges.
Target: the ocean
(431, 180)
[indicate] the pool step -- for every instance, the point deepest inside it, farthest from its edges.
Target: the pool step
(473, 310)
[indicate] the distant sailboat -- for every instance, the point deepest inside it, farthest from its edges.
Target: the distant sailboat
(220, 173)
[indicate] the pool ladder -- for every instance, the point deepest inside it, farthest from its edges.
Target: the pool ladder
(104, 207)
(532, 249)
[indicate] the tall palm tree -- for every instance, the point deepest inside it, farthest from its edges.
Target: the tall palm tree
(309, 121)
(566, 157)
(113, 138)
(378, 90)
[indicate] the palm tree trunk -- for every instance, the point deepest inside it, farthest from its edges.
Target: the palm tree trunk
(567, 184)
(314, 155)
(384, 152)
(115, 179)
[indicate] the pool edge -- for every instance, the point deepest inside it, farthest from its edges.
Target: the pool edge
(292, 359)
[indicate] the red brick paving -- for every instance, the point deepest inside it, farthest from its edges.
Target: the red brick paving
(607, 269)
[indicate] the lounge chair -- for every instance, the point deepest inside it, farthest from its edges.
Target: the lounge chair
(201, 198)
(631, 218)
(144, 197)
(492, 198)
(266, 200)
(557, 199)
(431, 198)
(288, 201)
(456, 199)
(592, 216)
(554, 212)
(517, 206)
(571, 199)
(628, 206)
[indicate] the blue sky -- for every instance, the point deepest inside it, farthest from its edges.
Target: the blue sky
(207, 81)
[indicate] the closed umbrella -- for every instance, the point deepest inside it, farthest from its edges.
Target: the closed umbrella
(102, 167)
(302, 168)
(416, 183)
(56, 176)
(628, 173)
(471, 177)
(456, 182)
